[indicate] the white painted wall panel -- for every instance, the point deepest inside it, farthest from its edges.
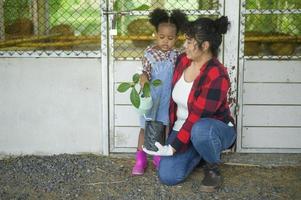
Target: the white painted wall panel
(271, 115)
(125, 115)
(272, 93)
(126, 137)
(270, 106)
(271, 137)
(272, 71)
(50, 105)
(126, 119)
(124, 70)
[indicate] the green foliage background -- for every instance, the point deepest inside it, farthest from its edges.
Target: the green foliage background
(85, 17)
(15, 9)
(284, 23)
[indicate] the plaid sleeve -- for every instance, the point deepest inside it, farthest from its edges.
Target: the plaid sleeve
(207, 103)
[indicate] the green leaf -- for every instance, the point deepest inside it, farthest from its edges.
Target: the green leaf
(135, 99)
(136, 78)
(146, 90)
(156, 82)
(123, 87)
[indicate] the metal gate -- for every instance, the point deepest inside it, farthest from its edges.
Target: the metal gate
(127, 34)
(261, 50)
(248, 44)
(269, 97)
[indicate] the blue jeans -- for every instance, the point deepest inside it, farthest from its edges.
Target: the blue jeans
(208, 137)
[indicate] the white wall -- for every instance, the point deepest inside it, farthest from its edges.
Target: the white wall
(271, 107)
(124, 138)
(50, 106)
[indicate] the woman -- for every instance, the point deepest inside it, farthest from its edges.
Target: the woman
(200, 117)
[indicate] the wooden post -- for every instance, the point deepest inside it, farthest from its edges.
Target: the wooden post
(231, 49)
(2, 27)
(47, 18)
(40, 16)
(34, 8)
(42, 21)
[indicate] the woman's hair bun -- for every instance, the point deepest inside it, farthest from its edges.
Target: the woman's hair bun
(221, 24)
(178, 18)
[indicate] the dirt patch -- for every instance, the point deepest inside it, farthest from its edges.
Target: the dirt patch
(100, 177)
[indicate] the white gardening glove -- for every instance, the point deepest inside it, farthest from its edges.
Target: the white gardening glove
(166, 150)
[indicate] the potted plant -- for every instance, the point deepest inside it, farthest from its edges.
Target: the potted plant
(142, 101)
(140, 97)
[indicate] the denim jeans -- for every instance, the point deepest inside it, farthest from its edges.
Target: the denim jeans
(208, 137)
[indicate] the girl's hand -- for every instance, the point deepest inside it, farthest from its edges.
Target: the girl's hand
(143, 79)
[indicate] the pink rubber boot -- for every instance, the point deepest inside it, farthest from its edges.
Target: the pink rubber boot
(156, 161)
(141, 163)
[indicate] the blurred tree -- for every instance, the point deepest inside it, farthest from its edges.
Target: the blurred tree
(54, 5)
(16, 9)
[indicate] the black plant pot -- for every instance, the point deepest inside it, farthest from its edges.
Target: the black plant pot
(154, 132)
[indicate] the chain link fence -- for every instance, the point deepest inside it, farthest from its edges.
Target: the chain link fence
(271, 29)
(133, 31)
(63, 27)
(49, 26)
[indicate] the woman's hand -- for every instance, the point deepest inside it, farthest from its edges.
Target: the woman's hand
(166, 150)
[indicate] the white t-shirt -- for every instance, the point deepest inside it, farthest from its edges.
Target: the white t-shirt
(180, 95)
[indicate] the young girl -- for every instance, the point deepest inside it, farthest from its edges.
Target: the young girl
(158, 63)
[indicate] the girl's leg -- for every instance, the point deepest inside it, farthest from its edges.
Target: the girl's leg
(166, 131)
(141, 133)
(174, 169)
(156, 159)
(140, 139)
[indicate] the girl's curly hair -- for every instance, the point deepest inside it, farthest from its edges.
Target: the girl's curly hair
(178, 18)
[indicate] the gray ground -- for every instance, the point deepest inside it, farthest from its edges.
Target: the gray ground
(258, 176)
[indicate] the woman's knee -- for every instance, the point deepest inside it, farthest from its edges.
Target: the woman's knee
(170, 177)
(201, 130)
(168, 173)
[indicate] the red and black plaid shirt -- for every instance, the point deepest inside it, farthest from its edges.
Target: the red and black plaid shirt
(207, 98)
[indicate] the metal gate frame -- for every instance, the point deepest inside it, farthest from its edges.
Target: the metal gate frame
(241, 59)
(105, 77)
(229, 56)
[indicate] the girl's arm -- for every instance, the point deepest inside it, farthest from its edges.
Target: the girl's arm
(146, 68)
(145, 76)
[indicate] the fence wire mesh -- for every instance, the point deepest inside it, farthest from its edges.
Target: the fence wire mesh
(49, 25)
(272, 29)
(135, 33)
(54, 27)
